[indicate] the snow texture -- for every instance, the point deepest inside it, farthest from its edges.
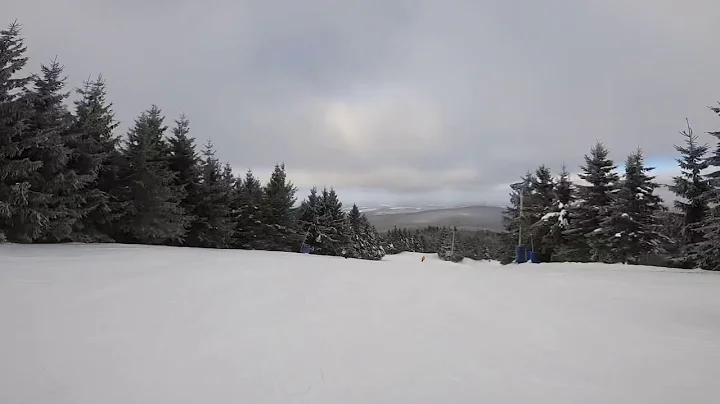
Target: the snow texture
(118, 324)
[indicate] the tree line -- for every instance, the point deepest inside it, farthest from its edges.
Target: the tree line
(619, 218)
(451, 244)
(65, 176)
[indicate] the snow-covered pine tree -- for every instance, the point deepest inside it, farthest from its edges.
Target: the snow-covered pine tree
(20, 218)
(692, 187)
(631, 233)
(371, 244)
(154, 214)
(51, 123)
(363, 240)
(213, 226)
(94, 152)
(354, 246)
(332, 220)
(322, 223)
(391, 241)
(705, 252)
(277, 204)
(537, 205)
(557, 217)
(591, 207)
(184, 162)
(249, 230)
(307, 217)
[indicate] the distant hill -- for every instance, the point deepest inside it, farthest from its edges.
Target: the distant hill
(464, 217)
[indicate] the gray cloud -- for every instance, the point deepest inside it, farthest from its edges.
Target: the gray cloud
(399, 98)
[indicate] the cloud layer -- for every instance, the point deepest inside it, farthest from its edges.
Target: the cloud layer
(399, 100)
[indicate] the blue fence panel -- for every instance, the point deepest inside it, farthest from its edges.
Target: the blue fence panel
(534, 257)
(520, 254)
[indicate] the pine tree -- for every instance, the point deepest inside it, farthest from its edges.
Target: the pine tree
(213, 226)
(20, 218)
(592, 207)
(51, 122)
(322, 220)
(364, 242)
(248, 217)
(693, 188)
(154, 214)
(184, 163)
(705, 252)
(308, 217)
(94, 152)
(632, 232)
(277, 203)
(538, 205)
(557, 216)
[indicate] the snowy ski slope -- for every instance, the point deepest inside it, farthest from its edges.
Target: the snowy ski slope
(118, 324)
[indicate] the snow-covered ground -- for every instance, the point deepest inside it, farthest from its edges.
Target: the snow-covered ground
(120, 324)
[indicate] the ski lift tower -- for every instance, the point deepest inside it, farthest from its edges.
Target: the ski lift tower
(520, 254)
(450, 253)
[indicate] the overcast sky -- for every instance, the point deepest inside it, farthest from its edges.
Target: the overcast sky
(398, 100)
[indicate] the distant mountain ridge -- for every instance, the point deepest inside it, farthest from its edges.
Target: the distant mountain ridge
(469, 217)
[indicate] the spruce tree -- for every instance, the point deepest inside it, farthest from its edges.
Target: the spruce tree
(363, 240)
(250, 228)
(557, 217)
(213, 225)
(94, 154)
(694, 189)
(538, 205)
(308, 216)
(277, 203)
(632, 232)
(592, 207)
(154, 214)
(21, 219)
(323, 222)
(705, 252)
(184, 163)
(51, 122)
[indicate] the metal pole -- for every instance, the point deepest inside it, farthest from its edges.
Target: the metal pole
(452, 246)
(522, 194)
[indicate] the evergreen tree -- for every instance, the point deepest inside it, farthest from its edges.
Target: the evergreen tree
(592, 207)
(364, 241)
(308, 218)
(248, 218)
(213, 226)
(539, 204)
(154, 214)
(277, 203)
(557, 216)
(21, 219)
(705, 252)
(51, 122)
(184, 163)
(632, 232)
(322, 220)
(693, 188)
(94, 155)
